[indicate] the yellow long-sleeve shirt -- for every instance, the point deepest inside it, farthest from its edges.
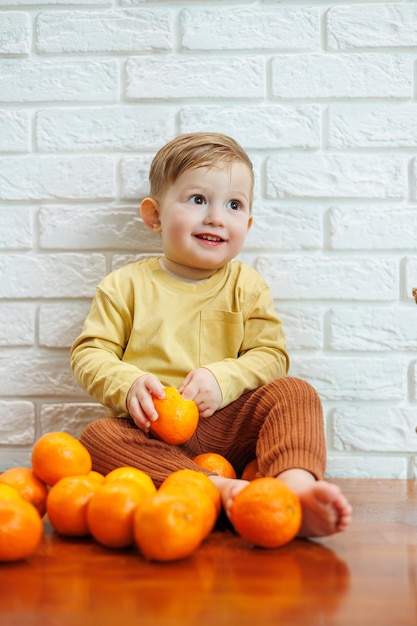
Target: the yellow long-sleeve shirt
(143, 320)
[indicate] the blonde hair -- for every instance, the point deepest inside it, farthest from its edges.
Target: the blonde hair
(191, 151)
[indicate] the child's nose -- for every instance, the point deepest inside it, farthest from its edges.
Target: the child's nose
(214, 214)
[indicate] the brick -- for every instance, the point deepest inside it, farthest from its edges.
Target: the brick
(375, 430)
(52, 177)
(354, 329)
(68, 227)
(17, 424)
(336, 176)
(414, 380)
(70, 418)
(23, 373)
(191, 77)
(356, 466)
(15, 457)
(373, 228)
(303, 327)
(108, 31)
(17, 324)
(104, 128)
(135, 2)
(55, 2)
(373, 126)
(326, 278)
(367, 75)
(354, 379)
(134, 173)
(28, 80)
(287, 228)
(14, 33)
(382, 25)
(414, 179)
(14, 131)
(267, 126)
(16, 228)
(61, 323)
(260, 28)
(68, 275)
(410, 268)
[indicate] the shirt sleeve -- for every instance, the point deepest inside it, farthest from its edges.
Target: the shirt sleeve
(96, 355)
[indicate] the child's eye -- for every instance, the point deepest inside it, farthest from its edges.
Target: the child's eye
(234, 204)
(197, 199)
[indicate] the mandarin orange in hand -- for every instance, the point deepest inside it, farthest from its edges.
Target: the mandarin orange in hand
(21, 529)
(169, 525)
(58, 454)
(31, 488)
(215, 463)
(266, 513)
(177, 418)
(67, 504)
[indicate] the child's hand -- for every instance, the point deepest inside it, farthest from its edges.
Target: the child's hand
(201, 386)
(139, 401)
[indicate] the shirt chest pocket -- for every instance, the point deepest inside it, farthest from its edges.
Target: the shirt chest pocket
(221, 335)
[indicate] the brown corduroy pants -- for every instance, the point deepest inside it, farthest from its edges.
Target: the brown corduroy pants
(280, 424)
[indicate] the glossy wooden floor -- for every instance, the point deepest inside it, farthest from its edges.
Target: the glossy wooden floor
(367, 575)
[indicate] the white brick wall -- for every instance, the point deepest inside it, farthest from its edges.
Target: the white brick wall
(323, 97)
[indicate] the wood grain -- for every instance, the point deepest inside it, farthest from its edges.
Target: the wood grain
(367, 575)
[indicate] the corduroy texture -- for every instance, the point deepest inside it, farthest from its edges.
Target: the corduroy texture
(281, 424)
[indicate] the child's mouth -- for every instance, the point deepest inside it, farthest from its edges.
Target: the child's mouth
(210, 238)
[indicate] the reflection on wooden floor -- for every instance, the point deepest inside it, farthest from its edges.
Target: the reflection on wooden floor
(367, 575)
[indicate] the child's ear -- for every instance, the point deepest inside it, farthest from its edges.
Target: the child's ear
(149, 212)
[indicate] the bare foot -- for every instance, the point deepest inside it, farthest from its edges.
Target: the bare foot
(326, 510)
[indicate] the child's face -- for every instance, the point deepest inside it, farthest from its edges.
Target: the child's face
(204, 218)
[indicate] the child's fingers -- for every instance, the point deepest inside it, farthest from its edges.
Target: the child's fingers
(138, 415)
(154, 387)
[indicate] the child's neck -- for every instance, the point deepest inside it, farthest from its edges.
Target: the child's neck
(184, 273)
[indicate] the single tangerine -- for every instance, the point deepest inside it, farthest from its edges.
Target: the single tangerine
(168, 526)
(267, 513)
(59, 454)
(250, 471)
(67, 504)
(110, 512)
(201, 500)
(181, 478)
(26, 482)
(215, 463)
(177, 418)
(142, 479)
(21, 529)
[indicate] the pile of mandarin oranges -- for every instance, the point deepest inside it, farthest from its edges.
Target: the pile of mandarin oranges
(125, 509)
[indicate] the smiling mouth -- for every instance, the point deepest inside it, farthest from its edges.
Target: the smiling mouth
(210, 238)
